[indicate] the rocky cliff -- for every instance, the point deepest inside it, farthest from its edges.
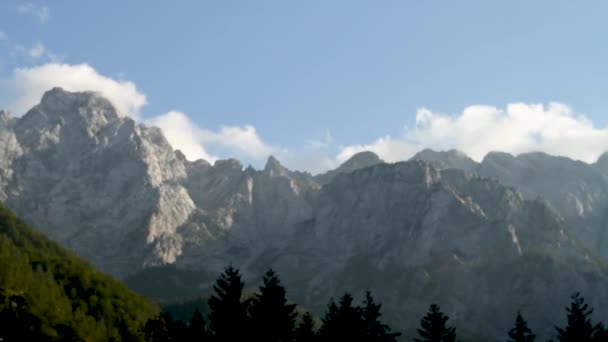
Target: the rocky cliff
(481, 239)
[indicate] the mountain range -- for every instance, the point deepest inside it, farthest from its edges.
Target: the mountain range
(482, 239)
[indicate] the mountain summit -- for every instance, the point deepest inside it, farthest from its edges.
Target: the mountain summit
(522, 230)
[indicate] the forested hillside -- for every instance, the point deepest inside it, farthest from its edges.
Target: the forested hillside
(49, 294)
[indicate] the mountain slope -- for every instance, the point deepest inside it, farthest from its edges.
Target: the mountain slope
(576, 190)
(415, 235)
(61, 294)
(495, 237)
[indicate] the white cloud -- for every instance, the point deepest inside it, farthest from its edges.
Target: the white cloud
(185, 135)
(42, 13)
(244, 140)
(3, 36)
(25, 88)
(552, 128)
(27, 85)
(182, 134)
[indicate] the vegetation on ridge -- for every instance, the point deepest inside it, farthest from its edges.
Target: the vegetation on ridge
(49, 294)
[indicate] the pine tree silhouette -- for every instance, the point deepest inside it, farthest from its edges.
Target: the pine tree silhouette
(228, 316)
(272, 319)
(434, 327)
(521, 332)
(156, 330)
(305, 332)
(579, 328)
(343, 322)
(197, 331)
(601, 335)
(375, 330)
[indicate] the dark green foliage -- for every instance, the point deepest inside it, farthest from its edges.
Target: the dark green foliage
(156, 330)
(183, 310)
(17, 322)
(343, 322)
(521, 332)
(348, 322)
(434, 327)
(374, 329)
(601, 335)
(197, 330)
(60, 296)
(168, 283)
(228, 318)
(272, 319)
(579, 328)
(305, 332)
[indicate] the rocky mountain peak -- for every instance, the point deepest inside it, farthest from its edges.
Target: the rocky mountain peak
(274, 168)
(602, 163)
(228, 165)
(357, 161)
(451, 159)
(61, 112)
(495, 156)
(4, 115)
(60, 102)
(361, 160)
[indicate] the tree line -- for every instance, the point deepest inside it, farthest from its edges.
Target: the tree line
(268, 316)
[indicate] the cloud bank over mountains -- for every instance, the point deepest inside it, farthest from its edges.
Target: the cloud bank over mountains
(554, 128)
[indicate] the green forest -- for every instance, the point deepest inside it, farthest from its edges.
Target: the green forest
(49, 294)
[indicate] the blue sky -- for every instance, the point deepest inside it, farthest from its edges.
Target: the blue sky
(319, 80)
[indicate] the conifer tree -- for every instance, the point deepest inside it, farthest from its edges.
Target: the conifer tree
(601, 335)
(178, 330)
(579, 328)
(196, 328)
(434, 327)
(343, 322)
(374, 329)
(272, 319)
(521, 332)
(305, 332)
(228, 316)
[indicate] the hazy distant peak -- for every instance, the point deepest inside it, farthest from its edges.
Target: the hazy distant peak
(361, 159)
(274, 168)
(5, 116)
(228, 164)
(357, 161)
(451, 159)
(603, 158)
(497, 156)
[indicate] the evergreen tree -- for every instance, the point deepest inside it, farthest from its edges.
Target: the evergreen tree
(196, 328)
(374, 329)
(579, 328)
(343, 322)
(228, 316)
(521, 332)
(305, 332)
(434, 327)
(272, 318)
(156, 330)
(178, 330)
(601, 335)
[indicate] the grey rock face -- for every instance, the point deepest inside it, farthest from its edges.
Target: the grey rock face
(576, 190)
(481, 239)
(100, 184)
(356, 162)
(452, 159)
